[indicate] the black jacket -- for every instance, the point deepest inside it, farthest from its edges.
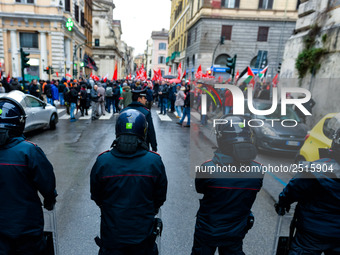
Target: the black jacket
(24, 170)
(129, 189)
(227, 201)
(318, 197)
(151, 135)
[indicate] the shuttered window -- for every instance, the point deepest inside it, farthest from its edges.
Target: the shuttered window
(226, 32)
(262, 35)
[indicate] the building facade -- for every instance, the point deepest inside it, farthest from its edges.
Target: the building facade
(249, 28)
(159, 51)
(319, 22)
(178, 34)
(41, 30)
(148, 57)
(138, 62)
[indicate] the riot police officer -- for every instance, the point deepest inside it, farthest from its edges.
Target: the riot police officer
(129, 184)
(139, 103)
(318, 209)
(24, 170)
(224, 216)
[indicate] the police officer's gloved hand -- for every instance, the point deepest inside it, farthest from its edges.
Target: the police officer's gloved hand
(281, 209)
(49, 204)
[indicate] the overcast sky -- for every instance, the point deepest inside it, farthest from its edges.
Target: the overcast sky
(139, 18)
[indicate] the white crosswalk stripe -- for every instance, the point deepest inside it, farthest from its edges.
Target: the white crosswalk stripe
(164, 117)
(107, 116)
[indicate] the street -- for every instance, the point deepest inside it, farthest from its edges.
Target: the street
(72, 149)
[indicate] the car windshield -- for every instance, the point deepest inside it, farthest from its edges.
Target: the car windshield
(290, 113)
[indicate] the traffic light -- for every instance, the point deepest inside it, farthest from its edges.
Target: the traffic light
(222, 40)
(150, 73)
(279, 68)
(47, 70)
(231, 63)
(51, 70)
(24, 59)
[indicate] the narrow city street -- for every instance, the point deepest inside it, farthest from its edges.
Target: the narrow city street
(73, 147)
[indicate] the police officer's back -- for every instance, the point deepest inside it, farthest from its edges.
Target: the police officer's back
(318, 210)
(24, 171)
(129, 185)
(225, 216)
(139, 103)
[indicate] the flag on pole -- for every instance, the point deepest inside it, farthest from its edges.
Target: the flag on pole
(263, 72)
(105, 78)
(179, 71)
(198, 74)
(275, 80)
(115, 74)
(185, 73)
(237, 76)
(169, 70)
(9, 77)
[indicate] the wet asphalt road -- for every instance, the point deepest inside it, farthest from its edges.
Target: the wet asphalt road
(72, 149)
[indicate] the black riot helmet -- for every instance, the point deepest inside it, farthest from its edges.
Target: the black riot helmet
(12, 116)
(12, 119)
(132, 122)
(234, 138)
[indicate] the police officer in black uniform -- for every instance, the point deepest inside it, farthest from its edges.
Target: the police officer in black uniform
(317, 213)
(225, 216)
(139, 103)
(24, 170)
(129, 184)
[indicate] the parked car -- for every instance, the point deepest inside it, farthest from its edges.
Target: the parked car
(319, 137)
(39, 114)
(273, 136)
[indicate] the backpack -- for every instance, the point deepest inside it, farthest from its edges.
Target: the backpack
(108, 91)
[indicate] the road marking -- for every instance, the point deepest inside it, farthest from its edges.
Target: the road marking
(164, 117)
(106, 117)
(86, 117)
(60, 111)
(65, 117)
(196, 115)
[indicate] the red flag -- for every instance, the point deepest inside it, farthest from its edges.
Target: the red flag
(9, 77)
(185, 73)
(127, 77)
(159, 74)
(275, 80)
(250, 72)
(169, 70)
(105, 78)
(179, 71)
(115, 74)
(198, 74)
(68, 75)
(237, 76)
(57, 74)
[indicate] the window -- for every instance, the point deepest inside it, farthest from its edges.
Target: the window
(82, 21)
(173, 35)
(76, 12)
(193, 60)
(262, 35)
(29, 40)
(226, 32)
(67, 5)
(161, 60)
(230, 3)
(25, 1)
(266, 4)
(162, 46)
(189, 39)
(188, 61)
(96, 42)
